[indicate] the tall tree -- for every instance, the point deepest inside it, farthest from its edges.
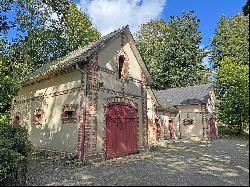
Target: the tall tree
(231, 39)
(245, 9)
(230, 55)
(172, 51)
(78, 28)
(232, 85)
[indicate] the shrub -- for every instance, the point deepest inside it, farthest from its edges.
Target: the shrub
(16, 138)
(14, 150)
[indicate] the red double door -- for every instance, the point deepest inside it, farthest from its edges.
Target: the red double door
(121, 129)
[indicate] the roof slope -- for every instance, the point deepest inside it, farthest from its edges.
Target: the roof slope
(81, 54)
(185, 95)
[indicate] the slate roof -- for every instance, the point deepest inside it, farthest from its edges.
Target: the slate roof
(81, 54)
(185, 95)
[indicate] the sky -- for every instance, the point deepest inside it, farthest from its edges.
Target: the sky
(108, 15)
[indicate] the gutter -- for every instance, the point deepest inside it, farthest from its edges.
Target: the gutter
(84, 112)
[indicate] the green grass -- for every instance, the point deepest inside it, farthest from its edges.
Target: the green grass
(229, 133)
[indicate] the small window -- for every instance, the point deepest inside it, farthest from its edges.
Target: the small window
(38, 117)
(69, 114)
(16, 118)
(121, 64)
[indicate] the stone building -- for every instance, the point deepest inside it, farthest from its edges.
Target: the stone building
(195, 114)
(96, 102)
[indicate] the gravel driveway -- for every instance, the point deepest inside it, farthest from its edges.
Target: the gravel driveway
(221, 162)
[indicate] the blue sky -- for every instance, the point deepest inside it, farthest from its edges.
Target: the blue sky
(208, 11)
(108, 15)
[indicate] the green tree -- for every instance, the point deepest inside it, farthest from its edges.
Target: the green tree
(46, 29)
(230, 55)
(231, 39)
(232, 85)
(172, 51)
(77, 28)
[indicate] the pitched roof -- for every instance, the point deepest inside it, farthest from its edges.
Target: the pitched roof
(185, 95)
(81, 54)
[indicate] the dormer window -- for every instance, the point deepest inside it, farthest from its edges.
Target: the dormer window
(121, 64)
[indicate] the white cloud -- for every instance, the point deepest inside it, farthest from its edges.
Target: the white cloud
(206, 61)
(108, 15)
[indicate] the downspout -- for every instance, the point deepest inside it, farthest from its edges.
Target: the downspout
(84, 112)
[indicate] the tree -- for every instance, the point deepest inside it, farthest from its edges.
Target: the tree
(78, 28)
(245, 9)
(232, 88)
(47, 30)
(231, 39)
(230, 55)
(172, 51)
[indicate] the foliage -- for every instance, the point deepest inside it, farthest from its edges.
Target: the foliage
(8, 86)
(231, 39)
(229, 132)
(232, 88)
(78, 28)
(45, 30)
(9, 160)
(245, 9)
(15, 137)
(172, 51)
(14, 147)
(230, 55)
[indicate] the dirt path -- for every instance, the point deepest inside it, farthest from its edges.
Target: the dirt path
(221, 162)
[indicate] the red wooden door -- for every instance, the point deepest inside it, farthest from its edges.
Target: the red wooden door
(212, 128)
(121, 129)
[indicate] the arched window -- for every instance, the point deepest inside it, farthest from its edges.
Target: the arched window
(121, 64)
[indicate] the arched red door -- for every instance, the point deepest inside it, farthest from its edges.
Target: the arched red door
(121, 129)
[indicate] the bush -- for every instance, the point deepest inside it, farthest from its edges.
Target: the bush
(14, 150)
(16, 138)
